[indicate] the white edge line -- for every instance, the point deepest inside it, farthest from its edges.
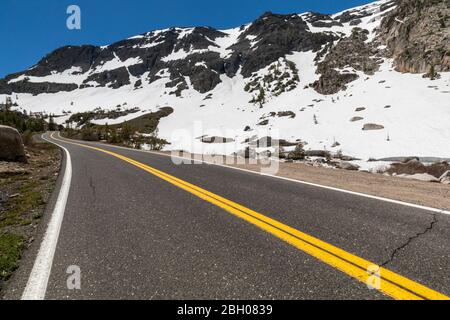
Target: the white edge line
(37, 282)
(412, 205)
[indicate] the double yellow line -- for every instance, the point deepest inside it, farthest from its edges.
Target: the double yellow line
(384, 280)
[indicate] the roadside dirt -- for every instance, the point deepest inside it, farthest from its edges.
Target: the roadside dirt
(24, 192)
(434, 195)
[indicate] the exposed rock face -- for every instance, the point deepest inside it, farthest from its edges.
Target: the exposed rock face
(274, 36)
(417, 34)
(113, 79)
(35, 88)
(11, 145)
(352, 52)
(319, 20)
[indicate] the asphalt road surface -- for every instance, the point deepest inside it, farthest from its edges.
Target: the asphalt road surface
(140, 227)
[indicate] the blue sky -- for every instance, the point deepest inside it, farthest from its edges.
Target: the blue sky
(31, 29)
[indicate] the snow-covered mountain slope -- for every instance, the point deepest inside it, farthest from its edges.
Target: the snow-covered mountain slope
(327, 80)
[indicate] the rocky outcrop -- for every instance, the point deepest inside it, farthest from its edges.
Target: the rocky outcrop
(414, 169)
(417, 35)
(352, 52)
(36, 88)
(112, 78)
(11, 145)
(273, 36)
(320, 20)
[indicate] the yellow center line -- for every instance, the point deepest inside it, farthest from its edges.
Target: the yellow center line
(382, 279)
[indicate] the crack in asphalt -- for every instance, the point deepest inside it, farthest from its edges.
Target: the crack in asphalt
(91, 184)
(410, 239)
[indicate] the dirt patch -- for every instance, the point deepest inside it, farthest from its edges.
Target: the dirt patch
(24, 192)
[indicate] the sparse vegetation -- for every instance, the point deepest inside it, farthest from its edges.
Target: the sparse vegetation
(298, 153)
(136, 133)
(282, 76)
(83, 118)
(11, 246)
(21, 120)
(24, 189)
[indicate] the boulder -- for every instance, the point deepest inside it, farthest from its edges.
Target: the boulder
(420, 176)
(347, 166)
(438, 169)
(216, 139)
(247, 153)
(11, 145)
(318, 153)
(408, 159)
(445, 178)
(372, 126)
(411, 167)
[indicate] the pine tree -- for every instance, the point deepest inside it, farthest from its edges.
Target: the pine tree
(51, 124)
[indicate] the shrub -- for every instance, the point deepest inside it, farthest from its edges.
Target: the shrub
(27, 138)
(298, 153)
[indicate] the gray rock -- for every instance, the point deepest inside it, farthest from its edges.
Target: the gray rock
(354, 119)
(421, 177)
(348, 158)
(409, 159)
(355, 22)
(11, 145)
(445, 178)
(372, 126)
(422, 30)
(216, 139)
(317, 153)
(351, 51)
(347, 166)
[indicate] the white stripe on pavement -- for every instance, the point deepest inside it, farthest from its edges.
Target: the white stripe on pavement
(38, 280)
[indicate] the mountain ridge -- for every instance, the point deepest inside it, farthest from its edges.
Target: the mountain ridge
(317, 66)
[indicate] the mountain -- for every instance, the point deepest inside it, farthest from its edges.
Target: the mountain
(372, 81)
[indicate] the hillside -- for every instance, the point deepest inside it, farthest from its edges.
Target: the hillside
(372, 81)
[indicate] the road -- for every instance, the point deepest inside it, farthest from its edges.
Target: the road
(140, 227)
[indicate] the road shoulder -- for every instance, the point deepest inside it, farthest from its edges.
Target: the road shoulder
(50, 172)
